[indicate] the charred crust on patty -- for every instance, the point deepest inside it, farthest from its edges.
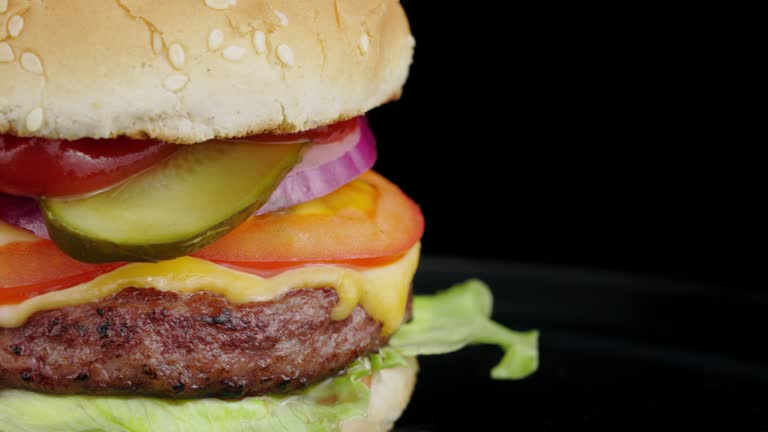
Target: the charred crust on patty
(165, 344)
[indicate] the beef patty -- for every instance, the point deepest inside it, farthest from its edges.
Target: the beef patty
(166, 344)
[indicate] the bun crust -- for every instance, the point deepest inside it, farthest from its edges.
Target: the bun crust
(390, 393)
(187, 71)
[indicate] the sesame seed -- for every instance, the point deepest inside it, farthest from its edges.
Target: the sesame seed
(15, 25)
(176, 55)
(35, 119)
(176, 82)
(260, 42)
(411, 41)
(215, 39)
(220, 4)
(3, 6)
(6, 53)
(157, 43)
(233, 52)
(285, 54)
(31, 63)
(282, 17)
(365, 43)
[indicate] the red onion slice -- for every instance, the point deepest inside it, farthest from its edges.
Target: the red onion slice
(324, 168)
(23, 212)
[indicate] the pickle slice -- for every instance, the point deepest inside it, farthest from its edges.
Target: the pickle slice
(176, 207)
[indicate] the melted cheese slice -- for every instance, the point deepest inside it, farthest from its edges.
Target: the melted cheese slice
(381, 291)
(11, 234)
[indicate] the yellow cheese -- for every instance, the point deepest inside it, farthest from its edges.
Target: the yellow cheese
(355, 198)
(11, 234)
(381, 291)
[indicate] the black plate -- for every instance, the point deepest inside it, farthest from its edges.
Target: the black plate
(618, 352)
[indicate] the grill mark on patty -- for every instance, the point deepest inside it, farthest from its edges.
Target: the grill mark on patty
(166, 344)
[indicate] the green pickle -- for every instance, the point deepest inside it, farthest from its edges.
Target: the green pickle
(175, 208)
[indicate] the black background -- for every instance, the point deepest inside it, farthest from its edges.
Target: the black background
(597, 166)
(586, 138)
(617, 353)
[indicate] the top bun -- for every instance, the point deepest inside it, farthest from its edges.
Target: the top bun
(187, 71)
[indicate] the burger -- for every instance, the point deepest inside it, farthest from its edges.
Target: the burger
(192, 237)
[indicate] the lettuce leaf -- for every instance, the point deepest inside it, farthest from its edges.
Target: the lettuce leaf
(442, 323)
(459, 316)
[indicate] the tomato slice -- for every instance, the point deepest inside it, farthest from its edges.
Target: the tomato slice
(44, 167)
(369, 219)
(29, 269)
(367, 223)
(36, 166)
(270, 269)
(320, 135)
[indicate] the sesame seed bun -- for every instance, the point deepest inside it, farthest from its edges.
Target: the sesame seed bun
(187, 71)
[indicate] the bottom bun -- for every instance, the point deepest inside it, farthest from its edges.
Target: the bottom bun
(391, 391)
